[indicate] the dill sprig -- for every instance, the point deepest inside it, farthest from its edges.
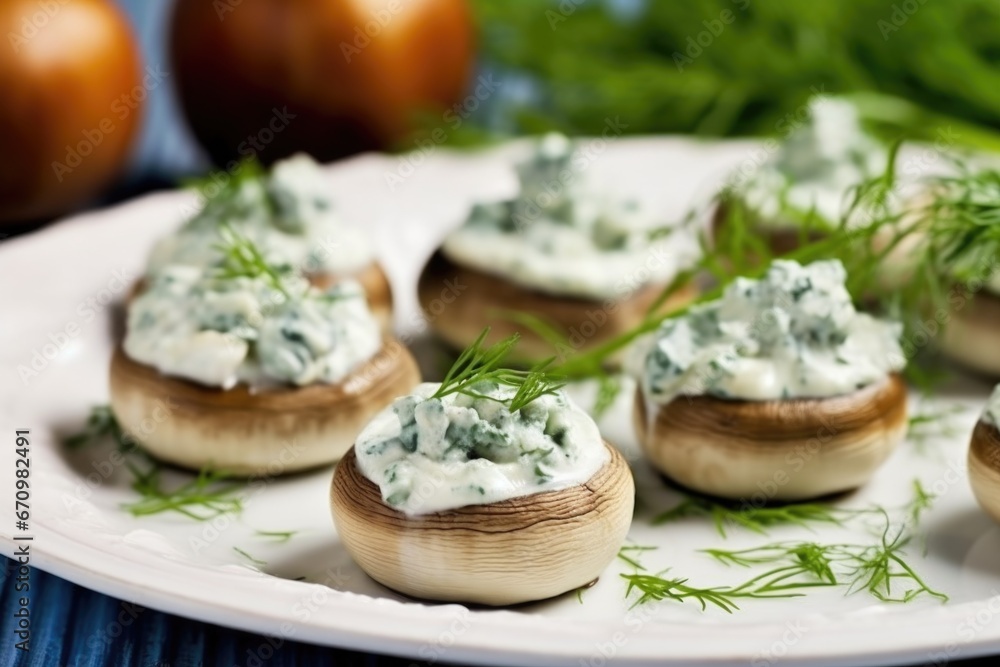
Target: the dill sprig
(241, 258)
(205, 497)
(208, 495)
(881, 569)
(755, 519)
(623, 555)
(224, 195)
(878, 567)
(923, 500)
(963, 221)
(100, 425)
(655, 587)
(479, 363)
(257, 562)
(926, 424)
(609, 387)
(277, 535)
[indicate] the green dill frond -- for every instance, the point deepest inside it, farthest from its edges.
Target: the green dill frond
(241, 258)
(101, 424)
(478, 363)
(755, 519)
(208, 495)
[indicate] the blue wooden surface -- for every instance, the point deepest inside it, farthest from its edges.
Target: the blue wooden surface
(76, 627)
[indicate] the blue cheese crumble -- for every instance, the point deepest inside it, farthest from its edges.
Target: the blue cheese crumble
(219, 332)
(794, 333)
(287, 212)
(432, 454)
(991, 414)
(812, 171)
(562, 235)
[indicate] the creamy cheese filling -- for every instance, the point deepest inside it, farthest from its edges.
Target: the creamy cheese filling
(794, 333)
(219, 332)
(991, 414)
(563, 236)
(288, 213)
(432, 454)
(813, 170)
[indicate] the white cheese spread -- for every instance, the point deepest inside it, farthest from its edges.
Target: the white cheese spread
(561, 235)
(431, 454)
(221, 331)
(288, 213)
(794, 333)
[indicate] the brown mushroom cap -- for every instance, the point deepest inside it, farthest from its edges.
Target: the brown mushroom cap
(517, 550)
(783, 450)
(459, 302)
(972, 335)
(270, 431)
(984, 467)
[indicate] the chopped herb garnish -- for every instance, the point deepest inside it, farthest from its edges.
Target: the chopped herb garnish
(479, 364)
(208, 495)
(241, 258)
(756, 519)
(791, 569)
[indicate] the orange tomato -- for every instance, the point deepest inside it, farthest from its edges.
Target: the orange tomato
(331, 77)
(70, 81)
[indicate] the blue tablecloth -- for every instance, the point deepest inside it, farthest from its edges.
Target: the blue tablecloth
(76, 627)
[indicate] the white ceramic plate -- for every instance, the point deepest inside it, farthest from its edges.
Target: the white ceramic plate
(57, 289)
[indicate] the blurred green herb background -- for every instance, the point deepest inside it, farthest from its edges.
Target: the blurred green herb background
(737, 67)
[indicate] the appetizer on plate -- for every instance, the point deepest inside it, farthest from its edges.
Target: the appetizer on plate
(778, 390)
(289, 214)
(984, 457)
(259, 371)
(799, 191)
(964, 230)
(560, 252)
(492, 489)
